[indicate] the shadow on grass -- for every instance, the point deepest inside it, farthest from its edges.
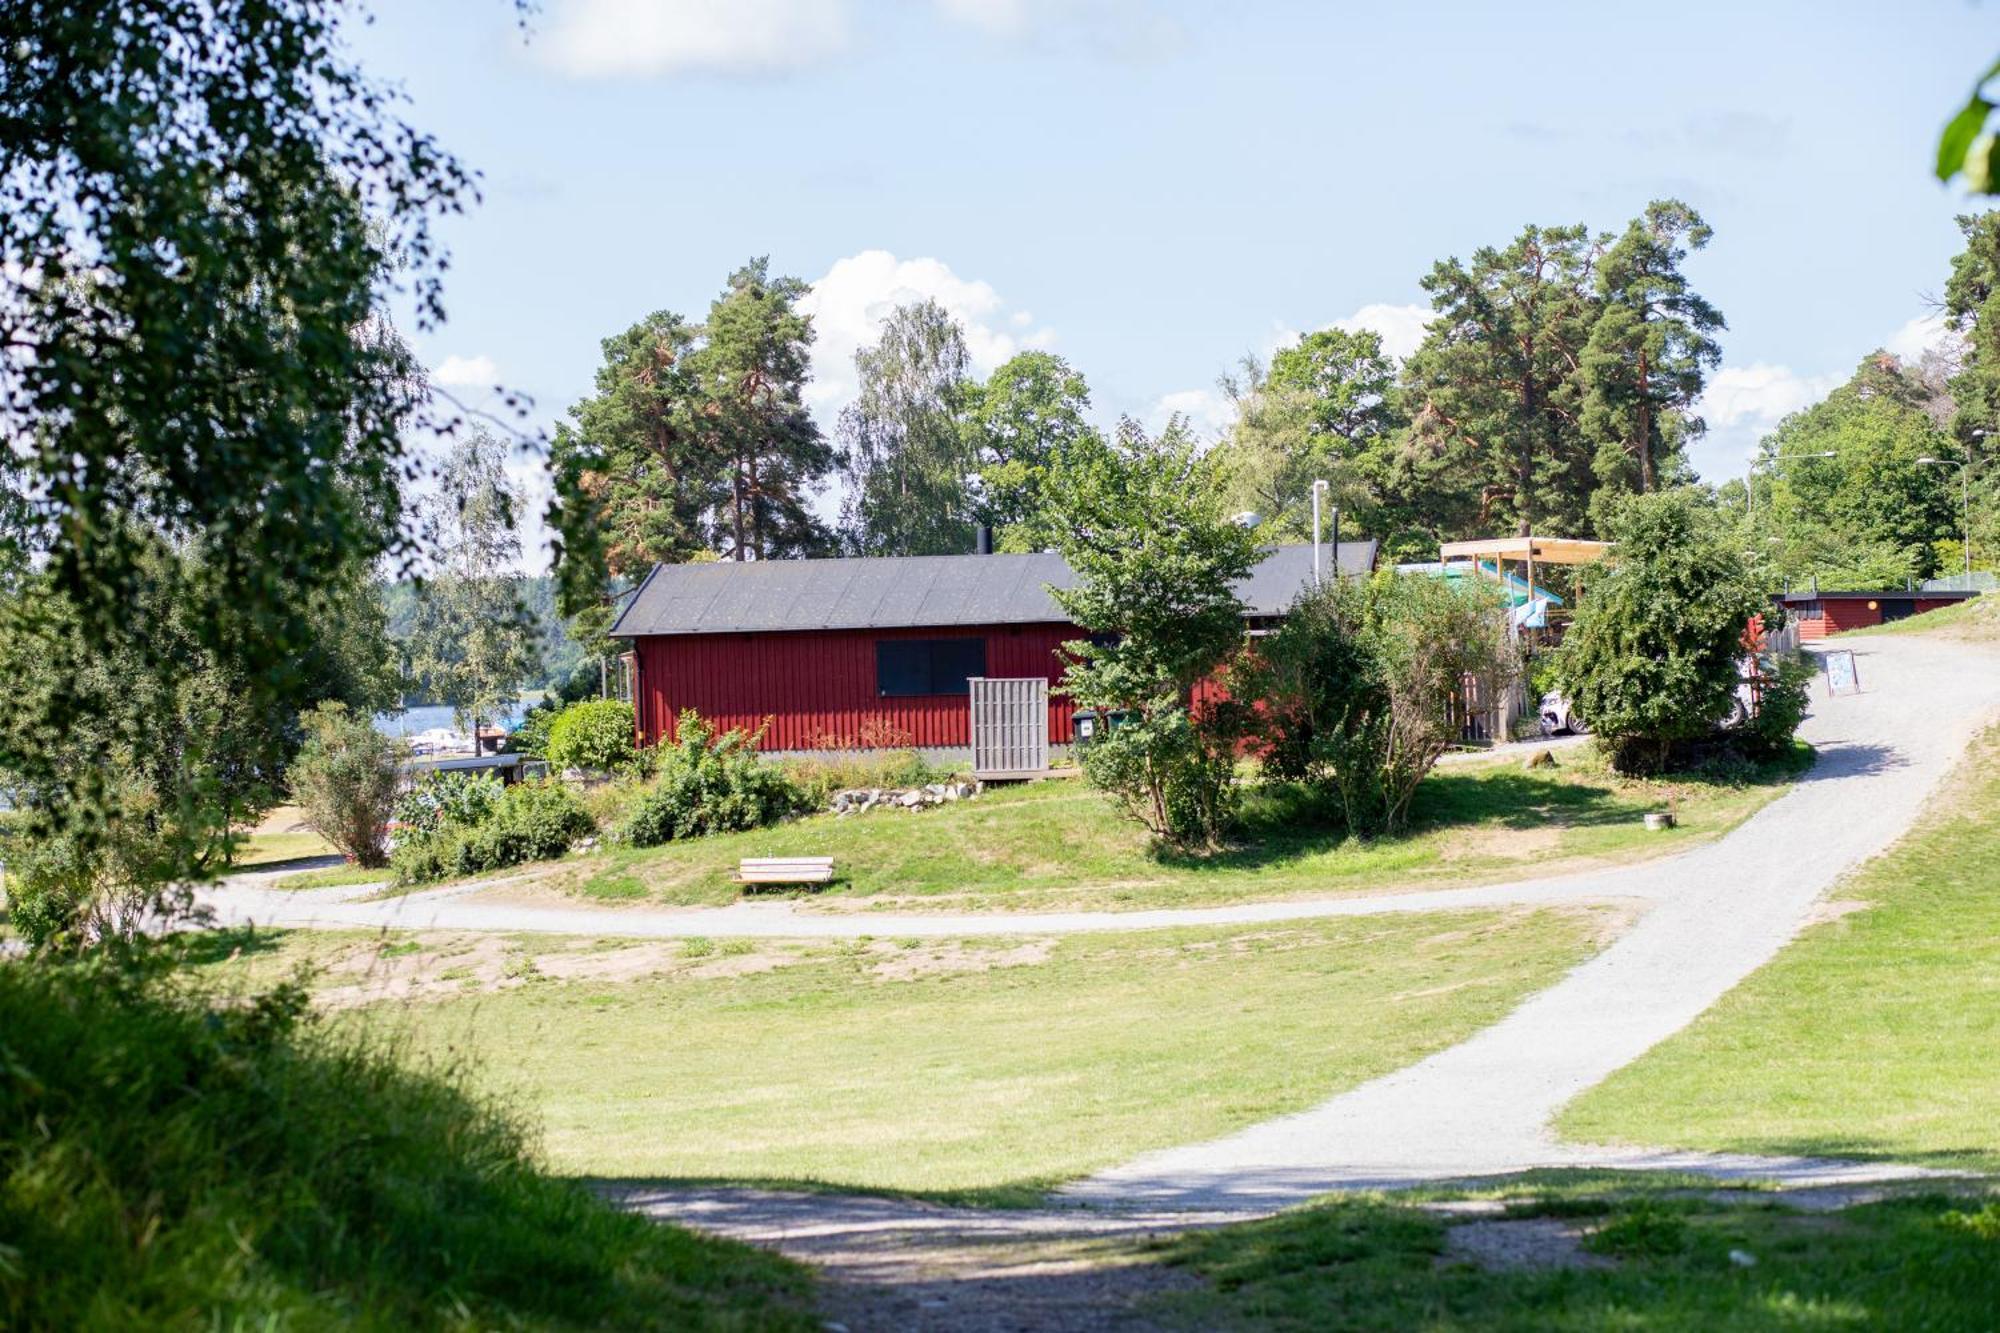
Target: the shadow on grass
(1014, 1196)
(199, 948)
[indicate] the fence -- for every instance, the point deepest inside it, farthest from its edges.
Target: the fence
(1484, 713)
(1010, 726)
(1979, 580)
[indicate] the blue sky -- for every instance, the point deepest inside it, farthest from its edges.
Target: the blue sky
(1153, 189)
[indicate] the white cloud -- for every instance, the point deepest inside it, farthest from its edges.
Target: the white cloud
(466, 372)
(849, 303)
(600, 38)
(1918, 336)
(1741, 405)
(1001, 18)
(1209, 411)
(1401, 326)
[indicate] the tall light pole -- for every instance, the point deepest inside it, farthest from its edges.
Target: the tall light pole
(1964, 467)
(1319, 489)
(1750, 477)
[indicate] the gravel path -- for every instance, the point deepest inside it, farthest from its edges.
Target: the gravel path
(1484, 1106)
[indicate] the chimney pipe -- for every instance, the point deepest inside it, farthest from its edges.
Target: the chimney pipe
(982, 539)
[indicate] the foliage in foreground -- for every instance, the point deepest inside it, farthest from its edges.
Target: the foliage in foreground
(166, 1161)
(345, 780)
(1360, 684)
(1651, 659)
(532, 821)
(1367, 1263)
(710, 784)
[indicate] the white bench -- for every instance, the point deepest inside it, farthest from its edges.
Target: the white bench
(785, 870)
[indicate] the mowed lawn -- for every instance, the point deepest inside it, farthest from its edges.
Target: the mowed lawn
(1875, 1035)
(989, 1066)
(1657, 1258)
(1062, 845)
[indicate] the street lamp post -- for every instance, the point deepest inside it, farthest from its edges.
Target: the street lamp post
(1320, 489)
(1965, 503)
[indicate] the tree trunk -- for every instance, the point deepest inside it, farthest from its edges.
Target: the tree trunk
(1646, 480)
(737, 517)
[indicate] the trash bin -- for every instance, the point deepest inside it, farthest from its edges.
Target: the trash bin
(1084, 726)
(1093, 724)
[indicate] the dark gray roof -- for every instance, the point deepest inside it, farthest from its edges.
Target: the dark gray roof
(905, 592)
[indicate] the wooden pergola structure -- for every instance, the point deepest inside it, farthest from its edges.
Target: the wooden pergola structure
(1527, 551)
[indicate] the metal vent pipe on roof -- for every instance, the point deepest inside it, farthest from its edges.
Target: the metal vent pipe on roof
(982, 539)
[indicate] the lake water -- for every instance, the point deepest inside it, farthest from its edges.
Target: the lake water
(424, 717)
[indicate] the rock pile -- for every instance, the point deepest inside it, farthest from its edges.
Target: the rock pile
(860, 800)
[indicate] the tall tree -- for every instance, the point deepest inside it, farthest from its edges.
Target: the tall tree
(634, 476)
(1157, 564)
(1327, 408)
(904, 447)
(751, 370)
(198, 203)
(1870, 514)
(1496, 385)
(1649, 352)
(472, 645)
(1027, 412)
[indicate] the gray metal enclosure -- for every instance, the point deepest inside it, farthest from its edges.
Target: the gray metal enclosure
(1010, 726)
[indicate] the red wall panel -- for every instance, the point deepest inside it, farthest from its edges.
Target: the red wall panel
(818, 686)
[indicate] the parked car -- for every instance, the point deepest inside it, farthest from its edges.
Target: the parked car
(1558, 717)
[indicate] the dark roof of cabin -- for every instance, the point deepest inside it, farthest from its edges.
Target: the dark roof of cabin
(1886, 594)
(907, 592)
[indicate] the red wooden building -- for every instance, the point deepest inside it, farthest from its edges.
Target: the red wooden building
(870, 652)
(1822, 613)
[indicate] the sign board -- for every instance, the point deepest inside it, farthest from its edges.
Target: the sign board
(1841, 677)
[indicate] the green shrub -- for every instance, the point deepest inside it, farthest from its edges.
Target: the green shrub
(818, 777)
(595, 736)
(1172, 771)
(534, 821)
(171, 1162)
(439, 800)
(345, 779)
(1650, 662)
(710, 784)
(1781, 707)
(530, 735)
(1360, 685)
(65, 892)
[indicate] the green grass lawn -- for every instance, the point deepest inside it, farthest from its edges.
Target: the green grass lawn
(992, 1067)
(1977, 618)
(1061, 844)
(1668, 1263)
(1874, 1035)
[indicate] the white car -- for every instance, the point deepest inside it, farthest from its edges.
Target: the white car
(1559, 717)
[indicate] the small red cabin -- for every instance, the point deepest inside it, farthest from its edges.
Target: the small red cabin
(873, 652)
(1822, 613)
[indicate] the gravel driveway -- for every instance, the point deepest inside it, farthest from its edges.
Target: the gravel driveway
(1720, 911)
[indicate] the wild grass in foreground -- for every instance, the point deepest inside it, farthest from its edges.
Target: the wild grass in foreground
(1653, 1261)
(168, 1163)
(991, 1066)
(1875, 1035)
(1061, 844)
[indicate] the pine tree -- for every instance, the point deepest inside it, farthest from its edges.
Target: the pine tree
(1649, 353)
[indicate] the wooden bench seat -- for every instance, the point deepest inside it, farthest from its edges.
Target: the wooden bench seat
(785, 870)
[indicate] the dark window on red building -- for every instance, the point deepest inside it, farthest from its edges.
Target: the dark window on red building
(927, 666)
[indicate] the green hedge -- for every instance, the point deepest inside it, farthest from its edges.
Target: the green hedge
(535, 821)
